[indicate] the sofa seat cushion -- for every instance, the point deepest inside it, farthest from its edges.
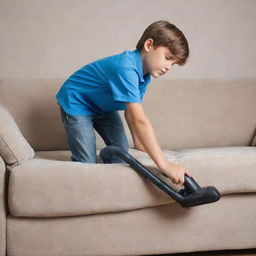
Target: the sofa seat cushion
(64, 155)
(48, 187)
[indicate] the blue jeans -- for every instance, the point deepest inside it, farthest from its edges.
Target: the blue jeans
(81, 136)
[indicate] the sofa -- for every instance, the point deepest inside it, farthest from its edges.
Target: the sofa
(51, 206)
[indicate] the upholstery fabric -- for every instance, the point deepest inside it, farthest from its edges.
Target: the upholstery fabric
(226, 224)
(14, 148)
(184, 113)
(64, 188)
(2, 207)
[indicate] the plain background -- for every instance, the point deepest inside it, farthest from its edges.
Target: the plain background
(54, 38)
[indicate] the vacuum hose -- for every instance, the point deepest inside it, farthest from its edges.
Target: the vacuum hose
(191, 195)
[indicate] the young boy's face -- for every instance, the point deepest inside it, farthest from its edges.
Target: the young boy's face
(157, 61)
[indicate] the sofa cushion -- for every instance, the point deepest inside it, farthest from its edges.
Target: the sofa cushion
(64, 155)
(185, 113)
(14, 148)
(51, 188)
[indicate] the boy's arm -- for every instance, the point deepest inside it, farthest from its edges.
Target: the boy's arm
(136, 142)
(141, 126)
(143, 133)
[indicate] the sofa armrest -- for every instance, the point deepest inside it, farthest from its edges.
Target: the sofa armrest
(14, 148)
(3, 211)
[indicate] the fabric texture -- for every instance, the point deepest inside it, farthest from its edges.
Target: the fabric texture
(14, 148)
(104, 85)
(181, 117)
(3, 211)
(63, 188)
(166, 229)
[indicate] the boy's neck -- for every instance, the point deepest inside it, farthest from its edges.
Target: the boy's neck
(142, 55)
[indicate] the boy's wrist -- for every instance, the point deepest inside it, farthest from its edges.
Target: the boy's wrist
(164, 164)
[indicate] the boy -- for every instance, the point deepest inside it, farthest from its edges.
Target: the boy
(91, 97)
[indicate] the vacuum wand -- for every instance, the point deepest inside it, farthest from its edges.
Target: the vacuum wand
(191, 195)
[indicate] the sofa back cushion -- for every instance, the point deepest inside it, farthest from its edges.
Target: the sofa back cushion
(203, 113)
(184, 113)
(14, 148)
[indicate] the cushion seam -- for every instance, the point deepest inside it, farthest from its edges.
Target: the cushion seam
(9, 149)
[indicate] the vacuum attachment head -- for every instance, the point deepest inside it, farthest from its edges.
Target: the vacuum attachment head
(191, 195)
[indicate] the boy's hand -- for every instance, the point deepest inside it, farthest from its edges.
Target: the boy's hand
(175, 172)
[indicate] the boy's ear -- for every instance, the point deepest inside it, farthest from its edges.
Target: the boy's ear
(148, 44)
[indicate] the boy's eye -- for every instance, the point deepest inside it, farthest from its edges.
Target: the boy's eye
(169, 58)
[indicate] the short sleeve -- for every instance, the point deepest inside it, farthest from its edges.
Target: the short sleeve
(124, 84)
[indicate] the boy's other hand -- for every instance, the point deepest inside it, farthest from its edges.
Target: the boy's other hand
(175, 172)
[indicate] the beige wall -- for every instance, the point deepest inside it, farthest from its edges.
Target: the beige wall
(53, 38)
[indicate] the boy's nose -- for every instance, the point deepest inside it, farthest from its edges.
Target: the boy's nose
(169, 65)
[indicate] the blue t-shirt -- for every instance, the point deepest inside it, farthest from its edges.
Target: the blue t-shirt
(105, 85)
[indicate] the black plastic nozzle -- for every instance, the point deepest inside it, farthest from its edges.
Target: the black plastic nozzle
(191, 195)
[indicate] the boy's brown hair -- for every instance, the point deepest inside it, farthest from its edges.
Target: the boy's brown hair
(166, 34)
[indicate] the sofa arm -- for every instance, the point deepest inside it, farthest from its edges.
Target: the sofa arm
(14, 148)
(2, 207)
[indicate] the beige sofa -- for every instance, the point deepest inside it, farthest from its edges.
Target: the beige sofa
(52, 206)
